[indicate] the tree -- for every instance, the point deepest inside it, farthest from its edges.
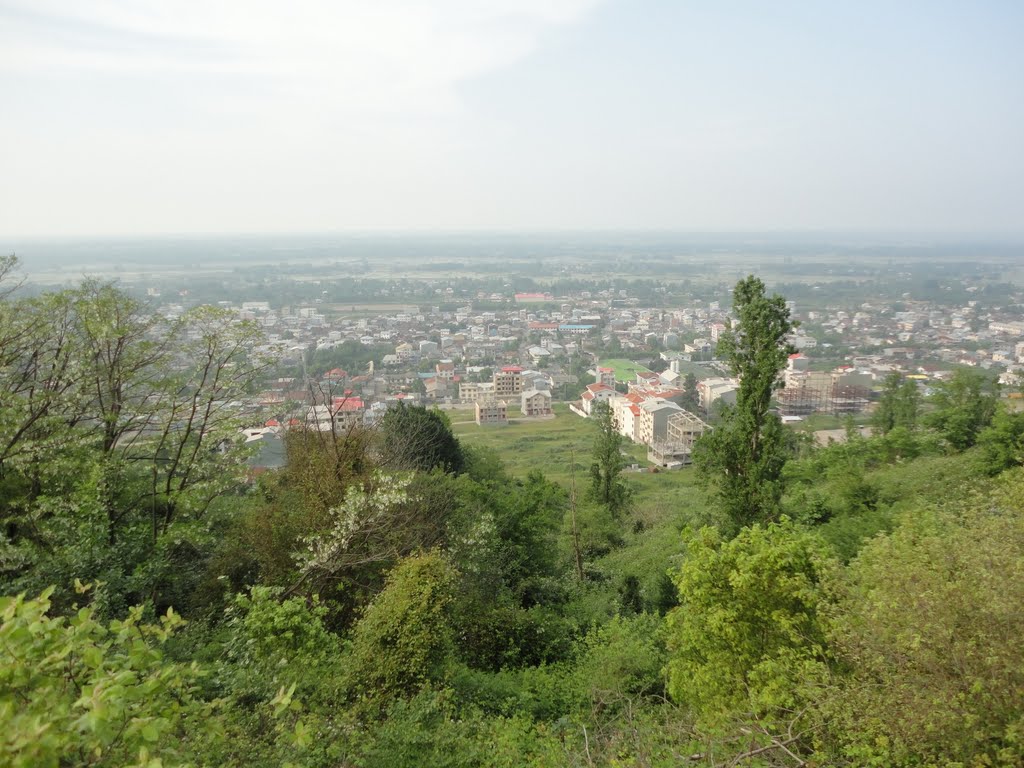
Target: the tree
(746, 641)
(899, 405)
(928, 626)
(963, 406)
(744, 455)
(691, 397)
(1002, 442)
(607, 486)
(412, 437)
(76, 691)
(404, 640)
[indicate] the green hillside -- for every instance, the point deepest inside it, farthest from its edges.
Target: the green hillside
(419, 594)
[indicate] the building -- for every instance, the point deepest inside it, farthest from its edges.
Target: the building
(605, 376)
(595, 394)
(681, 435)
(508, 382)
(711, 391)
(491, 412)
(654, 416)
(535, 402)
(471, 391)
(445, 370)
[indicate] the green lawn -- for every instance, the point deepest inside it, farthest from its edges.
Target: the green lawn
(625, 370)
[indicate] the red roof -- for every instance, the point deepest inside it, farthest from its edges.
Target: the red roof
(294, 423)
(348, 404)
(512, 369)
(336, 373)
(794, 356)
(272, 423)
(599, 388)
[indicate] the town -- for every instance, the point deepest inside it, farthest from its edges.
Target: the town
(492, 357)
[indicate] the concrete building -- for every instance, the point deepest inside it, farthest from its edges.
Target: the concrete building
(681, 434)
(654, 416)
(595, 394)
(712, 390)
(471, 391)
(508, 382)
(535, 402)
(491, 412)
(605, 376)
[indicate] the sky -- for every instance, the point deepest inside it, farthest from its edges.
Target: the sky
(142, 117)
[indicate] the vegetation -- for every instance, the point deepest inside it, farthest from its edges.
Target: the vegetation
(744, 455)
(405, 597)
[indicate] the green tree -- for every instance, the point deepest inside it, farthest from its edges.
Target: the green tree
(412, 437)
(607, 486)
(928, 628)
(746, 641)
(74, 691)
(963, 406)
(691, 397)
(744, 455)
(899, 405)
(404, 640)
(1002, 442)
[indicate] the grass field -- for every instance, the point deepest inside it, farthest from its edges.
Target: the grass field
(625, 370)
(701, 371)
(548, 445)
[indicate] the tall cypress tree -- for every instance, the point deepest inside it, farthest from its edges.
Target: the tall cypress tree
(743, 457)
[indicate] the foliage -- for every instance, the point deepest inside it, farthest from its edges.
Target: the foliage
(73, 690)
(963, 406)
(691, 397)
(414, 438)
(744, 455)
(1002, 441)
(404, 641)
(606, 484)
(930, 627)
(746, 641)
(899, 405)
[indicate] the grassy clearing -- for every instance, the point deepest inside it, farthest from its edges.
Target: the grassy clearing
(701, 371)
(547, 445)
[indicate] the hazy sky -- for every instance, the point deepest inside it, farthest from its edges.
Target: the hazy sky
(161, 116)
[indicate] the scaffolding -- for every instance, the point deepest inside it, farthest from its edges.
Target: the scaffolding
(682, 431)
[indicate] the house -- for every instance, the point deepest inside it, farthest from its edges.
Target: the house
(715, 389)
(535, 402)
(491, 412)
(626, 415)
(594, 394)
(605, 376)
(471, 391)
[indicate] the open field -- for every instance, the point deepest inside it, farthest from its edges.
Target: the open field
(548, 444)
(700, 370)
(625, 370)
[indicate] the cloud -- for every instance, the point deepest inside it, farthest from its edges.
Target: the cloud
(390, 54)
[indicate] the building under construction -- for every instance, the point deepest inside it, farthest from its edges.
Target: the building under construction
(681, 435)
(835, 392)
